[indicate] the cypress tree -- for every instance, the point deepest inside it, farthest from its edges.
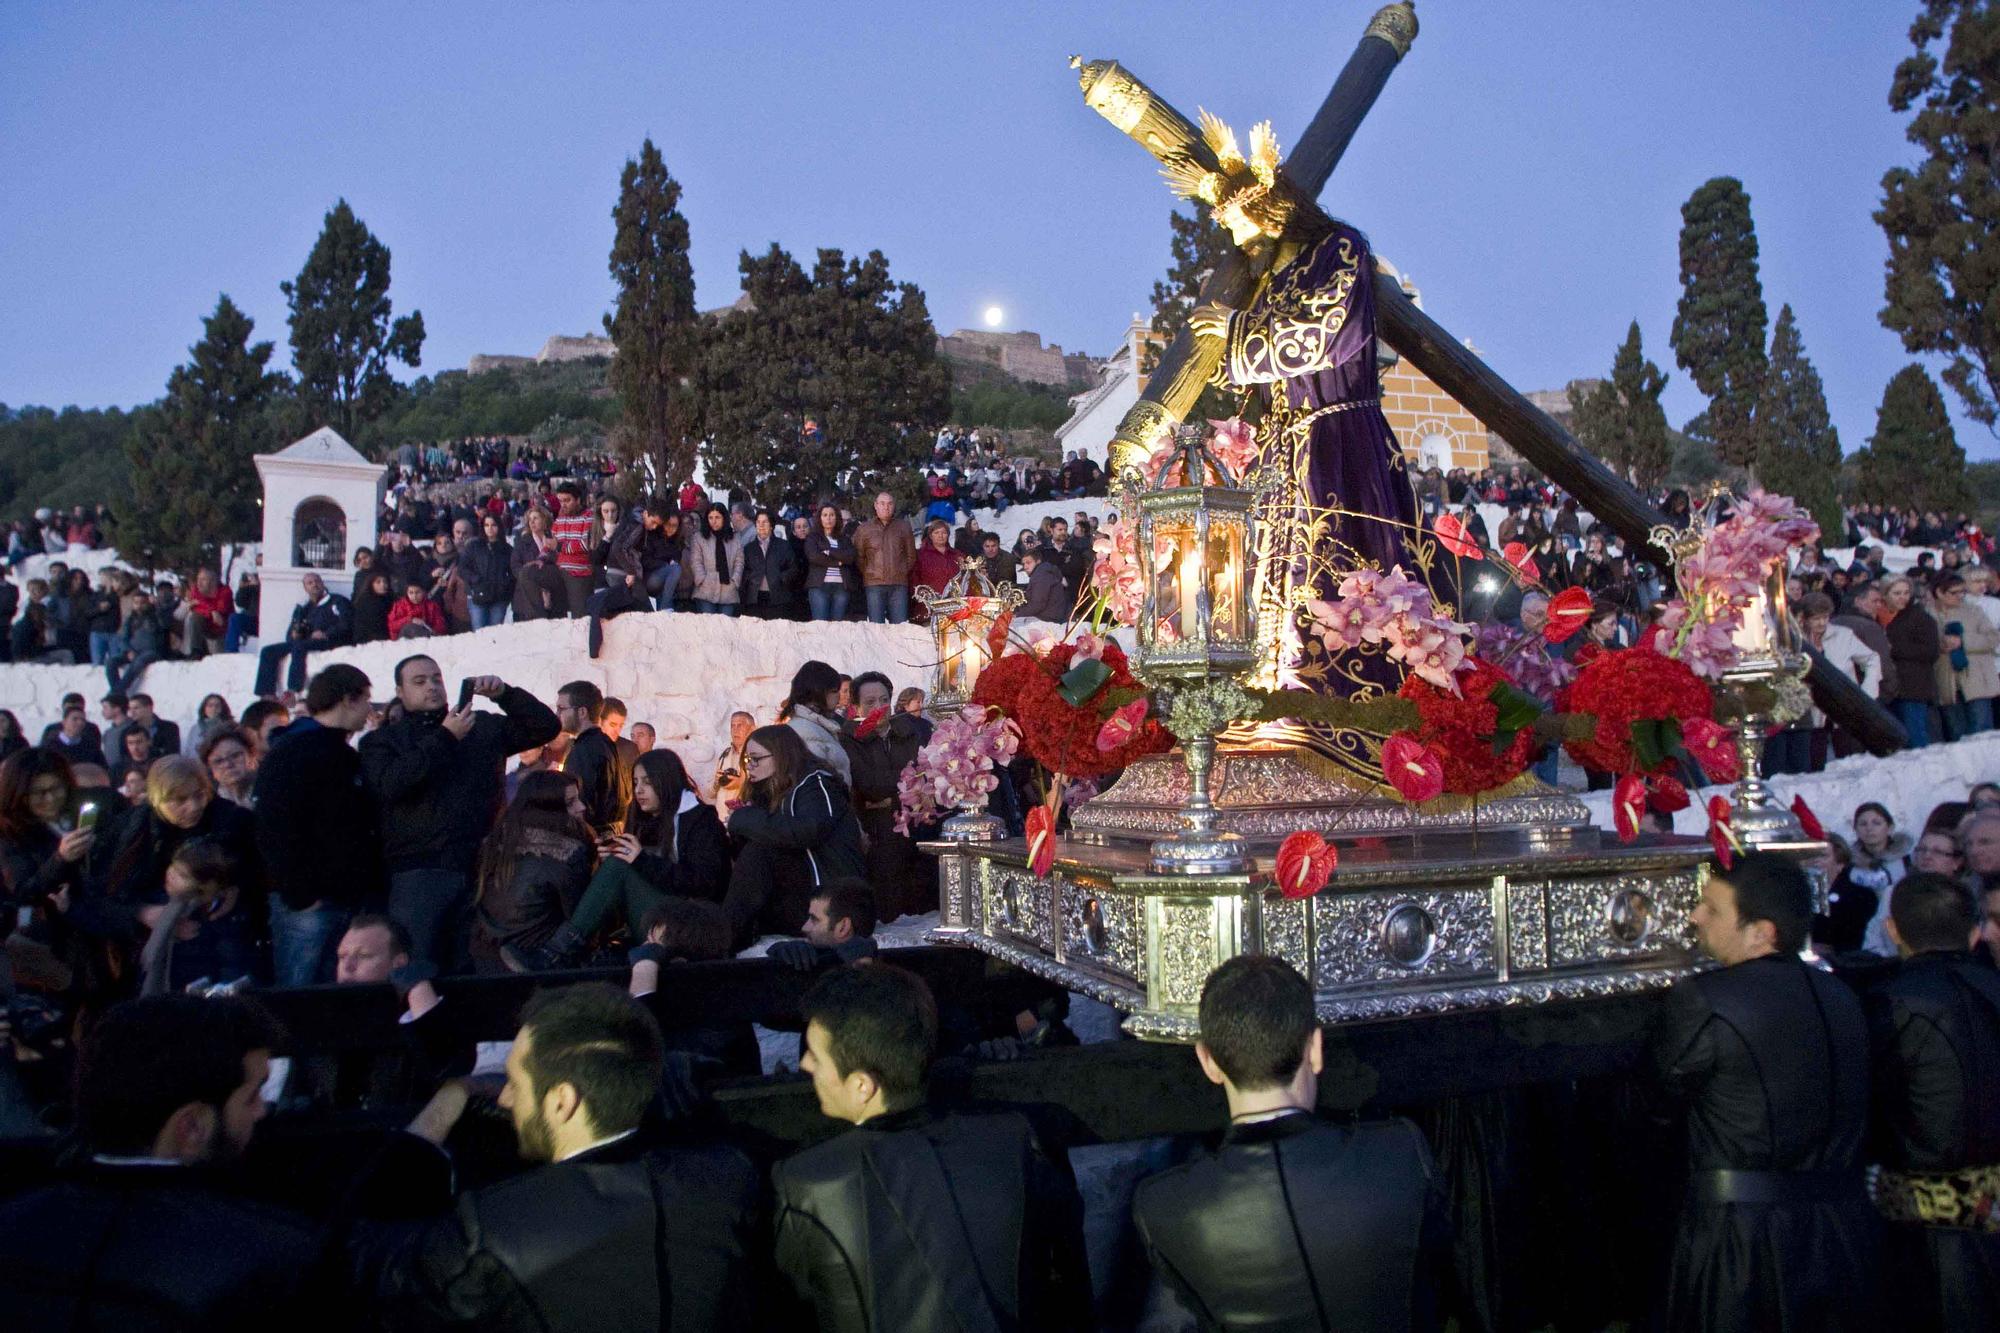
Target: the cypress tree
(654, 322)
(1913, 458)
(1942, 218)
(1718, 334)
(194, 485)
(1800, 448)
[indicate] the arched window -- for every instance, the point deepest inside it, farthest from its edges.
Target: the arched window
(319, 535)
(1434, 451)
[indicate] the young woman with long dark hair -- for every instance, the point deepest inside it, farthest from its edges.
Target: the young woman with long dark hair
(796, 831)
(831, 574)
(675, 848)
(533, 868)
(716, 560)
(39, 855)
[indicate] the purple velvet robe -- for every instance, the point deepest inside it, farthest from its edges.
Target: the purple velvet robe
(1341, 497)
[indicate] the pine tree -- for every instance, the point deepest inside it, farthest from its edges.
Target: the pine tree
(1913, 458)
(1621, 420)
(844, 347)
(1198, 246)
(1943, 218)
(654, 323)
(342, 336)
(194, 485)
(1718, 332)
(1800, 448)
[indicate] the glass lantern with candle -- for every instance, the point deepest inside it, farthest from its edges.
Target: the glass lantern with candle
(1195, 553)
(962, 618)
(1195, 623)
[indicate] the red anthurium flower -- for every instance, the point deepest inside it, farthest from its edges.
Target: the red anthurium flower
(1516, 554)
(1450, 530)
(1413, 769)
(1120, 726)
(1808, 820)
(1304, 864)
(1569, 612)
(1041, 833)
(1713, 747)
(1628, 802)
(1666, 795)
(996, 638)
(866, 727)
(972, 607)
(1721, 835)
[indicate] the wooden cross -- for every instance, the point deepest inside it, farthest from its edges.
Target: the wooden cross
(1189, 361)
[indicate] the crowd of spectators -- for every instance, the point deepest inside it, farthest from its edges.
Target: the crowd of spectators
(152, 874)
(1920, 639)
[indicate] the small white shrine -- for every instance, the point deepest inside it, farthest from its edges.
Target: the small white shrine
(321, 498)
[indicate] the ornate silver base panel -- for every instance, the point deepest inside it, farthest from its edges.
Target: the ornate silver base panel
(1448, 924)
(1263, 794)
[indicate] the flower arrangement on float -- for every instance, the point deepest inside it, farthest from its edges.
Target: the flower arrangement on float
(1477, 707)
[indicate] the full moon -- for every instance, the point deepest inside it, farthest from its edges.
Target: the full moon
(994, 314)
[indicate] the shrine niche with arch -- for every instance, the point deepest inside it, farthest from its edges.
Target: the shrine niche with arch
(1437, 446)
(319, 534)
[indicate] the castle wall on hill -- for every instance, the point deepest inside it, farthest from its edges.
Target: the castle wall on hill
(683, 673)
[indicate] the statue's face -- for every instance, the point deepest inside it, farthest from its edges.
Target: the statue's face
(1242, 230)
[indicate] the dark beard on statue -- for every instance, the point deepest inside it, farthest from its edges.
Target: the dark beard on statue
(537, 1144)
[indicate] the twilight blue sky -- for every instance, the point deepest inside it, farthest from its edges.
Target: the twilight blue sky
(1526, 165)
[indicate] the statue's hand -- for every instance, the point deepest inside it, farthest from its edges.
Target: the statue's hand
(1210, 320)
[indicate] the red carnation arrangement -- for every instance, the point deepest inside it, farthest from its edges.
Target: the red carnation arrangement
(1461, 729)
(1621, 689)
(1057, 734)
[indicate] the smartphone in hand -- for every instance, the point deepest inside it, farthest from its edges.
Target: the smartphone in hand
(464, 694)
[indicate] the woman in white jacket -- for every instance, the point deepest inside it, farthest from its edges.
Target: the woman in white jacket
(813, 711)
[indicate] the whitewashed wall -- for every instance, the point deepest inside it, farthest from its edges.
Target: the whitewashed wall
(683, 673)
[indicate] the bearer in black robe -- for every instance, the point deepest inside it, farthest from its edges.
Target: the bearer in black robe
(1935, 1028)
(1771, 1057)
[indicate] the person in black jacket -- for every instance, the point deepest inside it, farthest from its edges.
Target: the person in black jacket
(323, 620)
(1047, 598)
(675, 849)
(1771, 1058)
(795, 831)
(316, 828)
(436, 777)
(624, 573)
(371, 606)
(770, 571)
(1935, 1031)
(532, 872)
(916, 1219)
(42, 845)
(487, 567)
(593, 755)
(148, 1231)
(1294, 1222)
(611, 1233)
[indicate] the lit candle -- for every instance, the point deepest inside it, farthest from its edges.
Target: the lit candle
(1753, 635)
(1190, 584)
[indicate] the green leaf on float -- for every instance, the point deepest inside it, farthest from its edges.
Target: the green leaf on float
(1083, 680)
(1517, 709)
(1656, 740)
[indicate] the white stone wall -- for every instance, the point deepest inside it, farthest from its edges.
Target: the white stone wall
(683, 673)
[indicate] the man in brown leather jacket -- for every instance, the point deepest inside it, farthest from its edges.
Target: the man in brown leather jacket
(887, 550)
